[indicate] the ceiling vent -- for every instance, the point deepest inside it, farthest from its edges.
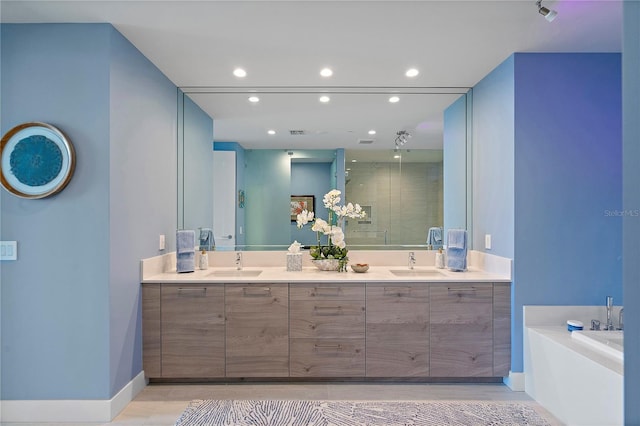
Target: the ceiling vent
(365, 141)
(297, 132)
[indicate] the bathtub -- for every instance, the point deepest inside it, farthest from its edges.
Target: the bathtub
(610, 342)
(577, 376)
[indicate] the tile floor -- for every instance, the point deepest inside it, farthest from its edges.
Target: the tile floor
(162, 404)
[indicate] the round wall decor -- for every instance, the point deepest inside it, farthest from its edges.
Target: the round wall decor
(37, 160)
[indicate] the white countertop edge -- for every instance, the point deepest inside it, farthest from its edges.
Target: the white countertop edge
(312, 274)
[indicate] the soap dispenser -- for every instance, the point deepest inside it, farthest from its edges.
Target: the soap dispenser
(204, 260)
(440, 259)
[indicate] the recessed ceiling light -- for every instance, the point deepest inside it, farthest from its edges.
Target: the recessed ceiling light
(324, 99)
(239, 72)
(271, 132)
(372, 132)
(412, 72)
(396, 156)
(326, 72)
(254, 99)
(354, 161)
(394, 99)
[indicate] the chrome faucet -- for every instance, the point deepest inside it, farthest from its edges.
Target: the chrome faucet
(412, 259)
(238, 260)
(609, 325)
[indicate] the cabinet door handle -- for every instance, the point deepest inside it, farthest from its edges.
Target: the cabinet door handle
(192, 291)
(337, 347)
(257, 291)
(328, 310)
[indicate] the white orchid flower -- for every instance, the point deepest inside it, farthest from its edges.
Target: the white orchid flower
(321, 225)
(331, 199)
(304, 218)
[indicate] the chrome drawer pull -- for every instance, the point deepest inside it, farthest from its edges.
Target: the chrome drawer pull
(462, 289)
(328, 346)
(202, 290)
(320, 291)
(327, 310)
(393, 291)
(256, 291)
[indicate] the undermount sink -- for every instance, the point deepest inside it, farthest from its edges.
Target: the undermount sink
(415, 272)
(236, 273)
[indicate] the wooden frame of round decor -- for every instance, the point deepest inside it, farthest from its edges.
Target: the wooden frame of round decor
(70, 151)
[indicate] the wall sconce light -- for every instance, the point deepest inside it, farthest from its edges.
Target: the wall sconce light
(549, 14)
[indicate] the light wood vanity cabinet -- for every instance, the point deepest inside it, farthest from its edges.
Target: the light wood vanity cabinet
(397, 340)
(193, 326)
(257, 330)
(327, 330)
(374, 330)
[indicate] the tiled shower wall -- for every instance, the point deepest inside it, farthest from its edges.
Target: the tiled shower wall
(405, 200)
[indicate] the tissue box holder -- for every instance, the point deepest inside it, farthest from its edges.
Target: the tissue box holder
(294, 262)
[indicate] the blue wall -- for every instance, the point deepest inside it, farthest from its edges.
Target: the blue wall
(268, 182)
(197, 137)
(568, 162)
(493, 160)
(310, 179)
(70, 307)
(547, 176)
(142, 192)
(631, 196)
(455, 164)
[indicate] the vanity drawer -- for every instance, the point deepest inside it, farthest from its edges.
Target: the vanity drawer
(317, 318)
(391, 303)
(327, 358)
(462, 303)
(327, 291)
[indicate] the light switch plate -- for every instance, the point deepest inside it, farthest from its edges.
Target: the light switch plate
(161, 245)
(8, 250)
(487, 241)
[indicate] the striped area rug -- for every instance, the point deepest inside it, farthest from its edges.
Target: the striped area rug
(358, 413)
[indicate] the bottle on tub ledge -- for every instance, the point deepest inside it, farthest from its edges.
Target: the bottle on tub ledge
(440, 259)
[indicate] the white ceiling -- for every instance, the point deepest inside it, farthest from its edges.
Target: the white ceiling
(368, 44)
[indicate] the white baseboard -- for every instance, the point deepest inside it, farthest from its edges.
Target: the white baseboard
(515, 381)
(71, 411)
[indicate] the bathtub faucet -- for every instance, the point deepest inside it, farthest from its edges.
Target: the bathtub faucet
(609, 325)
(621, 319)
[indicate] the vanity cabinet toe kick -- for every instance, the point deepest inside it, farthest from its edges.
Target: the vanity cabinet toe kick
(312, 331)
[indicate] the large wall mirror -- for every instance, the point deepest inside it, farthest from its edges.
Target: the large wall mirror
(242, 160)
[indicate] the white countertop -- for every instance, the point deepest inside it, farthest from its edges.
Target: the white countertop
(276, 274)
(482, 268)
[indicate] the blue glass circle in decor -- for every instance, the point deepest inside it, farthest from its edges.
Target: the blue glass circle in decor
(36, 160)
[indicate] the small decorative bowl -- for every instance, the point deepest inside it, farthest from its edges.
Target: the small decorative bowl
(360, 267)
